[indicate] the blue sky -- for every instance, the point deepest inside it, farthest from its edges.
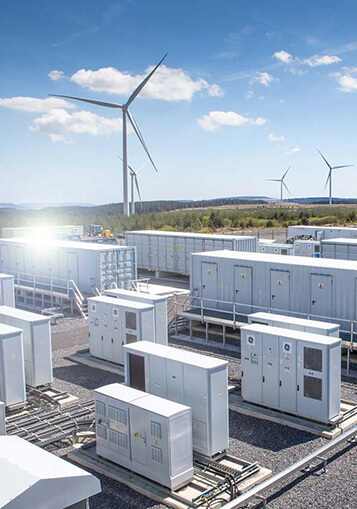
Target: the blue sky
(247, 89)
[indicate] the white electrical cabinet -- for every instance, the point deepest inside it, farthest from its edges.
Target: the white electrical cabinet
(2, 419)
(292, 371)
(275, 248)
(7, 291)
(323, 232)
(160, 309)
(292, 323)
(114, 323)
(147, 434)
(195, 380)
(12, 373)
(310, 248)
(37, 343)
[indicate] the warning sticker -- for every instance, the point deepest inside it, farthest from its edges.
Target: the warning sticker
(93, 307)
(321, 286)
(250, 340)
(242, 275)
(287, 347)
(279, 283)
(209, 272)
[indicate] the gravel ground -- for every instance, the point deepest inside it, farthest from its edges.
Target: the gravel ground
(272, 445)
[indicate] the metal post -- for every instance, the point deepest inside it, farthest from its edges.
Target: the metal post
(330, 187)
(126, 210)
(207, 332)
(224, 335)
(132, 195)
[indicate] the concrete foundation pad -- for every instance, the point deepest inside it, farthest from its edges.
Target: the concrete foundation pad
(84, 357)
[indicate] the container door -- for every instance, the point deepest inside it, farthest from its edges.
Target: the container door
(4, 262)
(170, 254)
(174, 390)
(270, 370)
(157, 376)
(42, 354)
(251, 367)
(181, 255)
(156, 433)
(20, 259)
(117, 338)
(138, 435)
(107, 340)
(280, 290)
(53, 261)
(243, 289)
(137, 372)
(287, 383)
(209, 283)
(72, 266)
(13, 374)
(95, 328)
(312, 370)
(321, 295)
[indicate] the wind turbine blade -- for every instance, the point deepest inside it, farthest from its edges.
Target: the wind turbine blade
(142, 84)
(137, 187)
(282, 178)
(130, 168)
(142, 167)
(328, 164)
(286, 187)
(90, 101)
(272, 180)
(140, 136)
(328, 178)
(345, 166)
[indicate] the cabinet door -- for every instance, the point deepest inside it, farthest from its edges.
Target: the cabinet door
(280, 290)
(243, 289)
(321, 295)
(288, 382)
(270, 370)
(174, 381)
(252, 367)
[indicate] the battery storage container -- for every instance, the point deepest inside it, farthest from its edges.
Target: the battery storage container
(292, 371)
(42, 231)
(341, 249)
(2, 419)
(292, 323)
(37, 343)
(160, 309)
(195, 380)
(12, 373)
(7, 293)
(322, 232)
(114, 323)
(146, 434)
(310, 248)
(170, 251)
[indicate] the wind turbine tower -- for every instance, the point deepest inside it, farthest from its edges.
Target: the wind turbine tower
(329, 177)
(134, 183)
(126, 116)
(282, 184)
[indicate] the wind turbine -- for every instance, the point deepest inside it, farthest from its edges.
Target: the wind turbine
(329, 177)
(126, 116)
(134, 179)
(282, 184)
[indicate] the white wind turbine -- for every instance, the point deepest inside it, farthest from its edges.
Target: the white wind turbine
(329, 177)
(282, 184)
(126, 115)
(134, 180)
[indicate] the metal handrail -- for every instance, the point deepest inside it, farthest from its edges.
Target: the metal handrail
(36, 282)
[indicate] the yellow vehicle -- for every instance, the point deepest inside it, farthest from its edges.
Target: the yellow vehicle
(106, 233)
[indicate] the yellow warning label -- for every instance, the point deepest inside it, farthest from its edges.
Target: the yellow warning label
(118, 427)
(178, 249)
(321, 286)
(209, 272)
(136, 434)
(156, 442)
(171, 248)
(242, 276)
(280, 283)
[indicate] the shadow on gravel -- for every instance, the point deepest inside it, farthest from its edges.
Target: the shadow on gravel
(85, 376)
(265, 434)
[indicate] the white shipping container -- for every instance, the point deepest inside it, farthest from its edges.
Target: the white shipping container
(307, 248)
(316, 287)
(2, 419)
(275, 248)
(37, 343)
(7, 292)
(114, 323)
(292, 371)
(146, 434)
(170, 251)
(322, 232)
(341, 249)
(89, 265)
(42, 231)
(195, 380)
(293, 323)
(12, 373)
(160, 309)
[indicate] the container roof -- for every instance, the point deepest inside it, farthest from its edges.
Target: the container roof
(121, 302)
(340, 240)
(8, 330)
(292, 334)
(210, 236)
(6, 276)
(23, 315)
(33, 477)
(333, 228)
(65, 244)
(292, 319)
(119, 293)
(119, 391)
(175, 354)
(304, 261)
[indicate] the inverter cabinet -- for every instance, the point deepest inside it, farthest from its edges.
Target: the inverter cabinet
(37, 343)
(160, 309)
(299, 324)
(7, 293)
(195, 380)
(2, 419)
(276, 248)
(310, 248)
(147, 434)
(114, 323)
(12, 373)
(292, 371)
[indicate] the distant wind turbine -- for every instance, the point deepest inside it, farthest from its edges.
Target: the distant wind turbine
(134, 180)
(329, 177)
(282, 184)
(126, 115)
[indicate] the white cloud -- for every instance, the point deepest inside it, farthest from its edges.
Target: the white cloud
(292, 150)
(283, 56)
(59, 124)
(347, 79)
(264, 78)
(249, 95)
(272, 137)
(317, 60)
(56, 75)
(216, 119)
(166, 84)
(34, 105)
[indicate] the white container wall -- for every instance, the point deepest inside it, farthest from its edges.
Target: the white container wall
(42, 231)
(322, 232)
(146, 434)
(114, 323)
(170, 251)
(160, 309)
(310, 248)
(276, 248)
(89, 265)
(12, 373)
(341, 249)
(292, 371)
(2, 419)
(37, 343)
(7, 291)
(195, 380)
(318, 288)
(292, 323)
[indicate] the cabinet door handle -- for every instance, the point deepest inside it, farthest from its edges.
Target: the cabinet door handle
(263, 379)
(298, 388)
(280, 384)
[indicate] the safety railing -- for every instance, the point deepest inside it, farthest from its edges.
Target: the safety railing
(38, 284)
(140, 284)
